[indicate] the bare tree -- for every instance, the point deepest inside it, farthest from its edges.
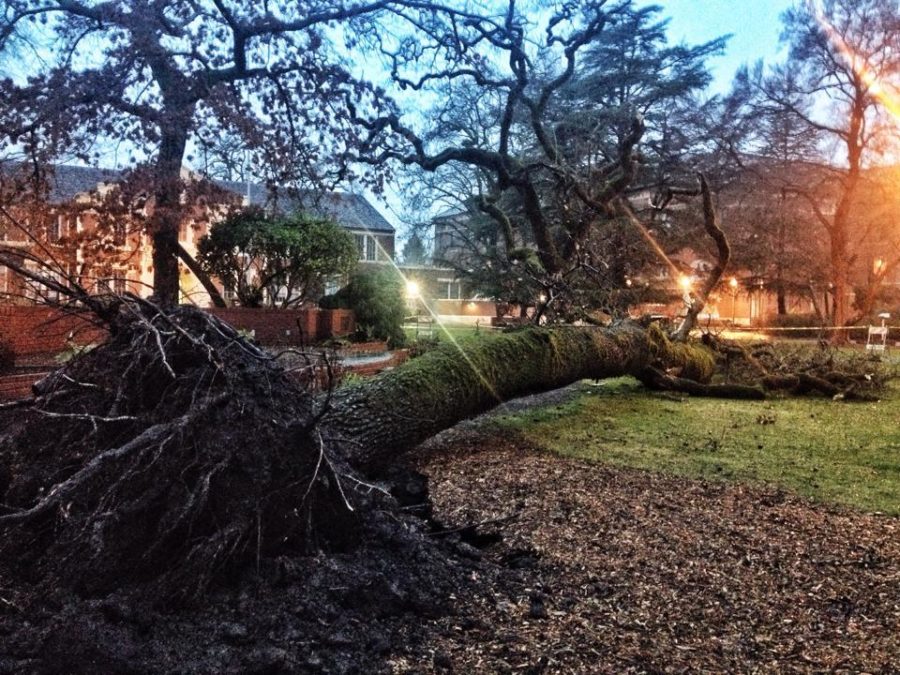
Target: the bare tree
(537, 143)
(845, 54)
(161, 75)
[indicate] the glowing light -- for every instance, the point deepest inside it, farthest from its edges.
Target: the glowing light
(733, 282)
(685, 282)
(412, 289)
(542, 298)
(648, 237)
(484, 380)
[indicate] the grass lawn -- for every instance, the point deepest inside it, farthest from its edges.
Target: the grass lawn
(457, 331)
(839, 452)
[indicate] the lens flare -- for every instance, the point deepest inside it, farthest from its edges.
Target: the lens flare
(884, 92)
(411, 284)
(649, 238)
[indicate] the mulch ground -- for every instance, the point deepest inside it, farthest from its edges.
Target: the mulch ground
(572, 568)
(612, 570)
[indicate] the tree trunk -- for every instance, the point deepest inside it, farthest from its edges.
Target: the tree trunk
(840, 228)
(389, 415)
(840, 278)
(167, 214)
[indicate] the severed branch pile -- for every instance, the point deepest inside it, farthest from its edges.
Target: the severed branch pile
(172, 453)
(822, 370)
(759, 371)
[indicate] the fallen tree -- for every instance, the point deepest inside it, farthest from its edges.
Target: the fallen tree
(400, 410)
(178, 452)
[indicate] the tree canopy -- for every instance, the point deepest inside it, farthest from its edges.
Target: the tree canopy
(277, 261)
(158, 77)
(541, 146)
(825, 116)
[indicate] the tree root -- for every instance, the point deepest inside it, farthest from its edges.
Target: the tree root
(169, 455)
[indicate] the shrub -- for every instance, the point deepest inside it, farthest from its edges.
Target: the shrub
(423, 345)
(377, 298)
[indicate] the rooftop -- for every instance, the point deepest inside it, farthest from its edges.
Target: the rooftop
(352, 211)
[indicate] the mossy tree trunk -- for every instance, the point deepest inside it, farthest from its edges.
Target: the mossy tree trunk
(395, 412)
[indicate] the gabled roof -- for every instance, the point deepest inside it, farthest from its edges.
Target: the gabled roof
(352, 211)
(66, 182)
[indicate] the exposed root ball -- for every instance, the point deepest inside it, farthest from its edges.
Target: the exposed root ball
(167, 455)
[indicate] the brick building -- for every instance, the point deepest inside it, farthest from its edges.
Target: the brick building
(87, 221)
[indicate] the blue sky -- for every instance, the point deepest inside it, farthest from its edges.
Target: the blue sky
(754, 24)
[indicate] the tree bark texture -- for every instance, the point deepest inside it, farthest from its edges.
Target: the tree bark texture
(167, 215)
(384, 417)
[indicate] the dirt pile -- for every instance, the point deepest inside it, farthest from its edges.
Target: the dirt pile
(171, 455)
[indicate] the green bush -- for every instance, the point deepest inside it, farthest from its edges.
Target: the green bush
(377, 298)
(7, 357)
(423, 345)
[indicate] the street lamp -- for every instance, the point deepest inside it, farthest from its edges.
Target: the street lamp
(685, 282)
(733, 283)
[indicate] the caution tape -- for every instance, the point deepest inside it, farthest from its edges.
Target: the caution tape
(757, 329)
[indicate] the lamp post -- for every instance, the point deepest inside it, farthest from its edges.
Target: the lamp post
(412, 289)
(733, 283)
(412, 295)
(685, 282)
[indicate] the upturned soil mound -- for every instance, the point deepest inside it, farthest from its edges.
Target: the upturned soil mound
(168, 457)
(533, 564)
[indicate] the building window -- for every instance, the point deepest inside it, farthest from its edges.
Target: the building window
(55, 232)
(365, 247)
(452, 288)
(38, 292)
(119, 232)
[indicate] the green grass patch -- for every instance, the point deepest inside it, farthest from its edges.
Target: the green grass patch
(457, 331)
(847, 453)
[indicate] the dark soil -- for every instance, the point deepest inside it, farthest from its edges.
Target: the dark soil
(581, 568)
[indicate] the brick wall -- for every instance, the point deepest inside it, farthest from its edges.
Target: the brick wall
(13, 387)
(43, 331)
(289, 326)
